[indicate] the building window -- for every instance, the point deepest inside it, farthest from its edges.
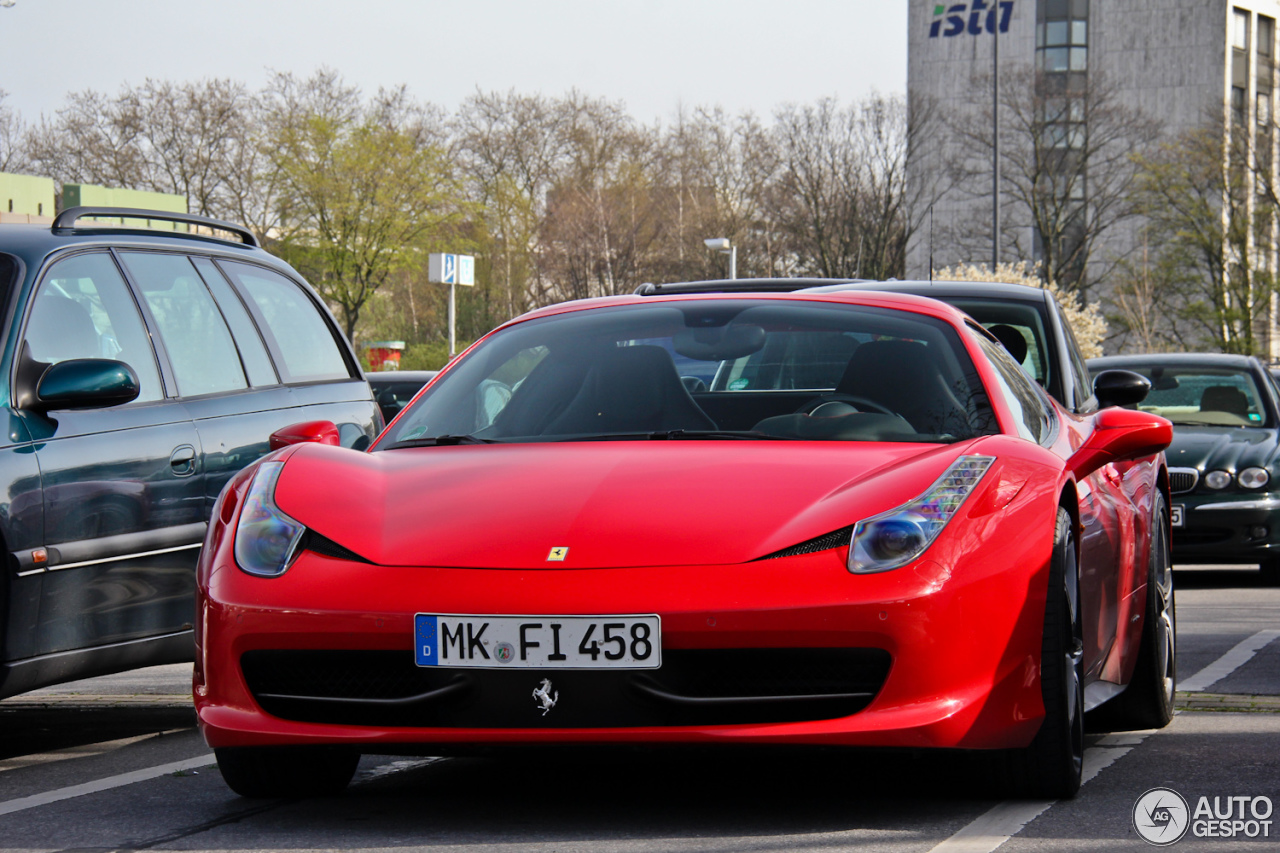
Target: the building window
(1237, 104)
(1266, 36)
(1062, 36)
(1264, 108)
(1240, 29)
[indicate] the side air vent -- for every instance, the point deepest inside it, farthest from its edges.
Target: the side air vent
(325, 547)
(834, 539)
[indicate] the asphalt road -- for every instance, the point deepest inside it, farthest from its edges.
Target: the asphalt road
(115, 764)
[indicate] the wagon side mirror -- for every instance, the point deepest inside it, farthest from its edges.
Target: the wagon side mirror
(1120, 434)
(309, 432)
(85, 383)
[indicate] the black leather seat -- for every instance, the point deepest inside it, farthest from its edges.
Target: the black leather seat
(630, 389)
(1225, 398)
(902, 377)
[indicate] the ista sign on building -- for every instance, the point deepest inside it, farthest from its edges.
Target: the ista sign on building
(973, 18)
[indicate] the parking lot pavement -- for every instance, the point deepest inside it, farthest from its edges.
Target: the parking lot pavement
(115, 763)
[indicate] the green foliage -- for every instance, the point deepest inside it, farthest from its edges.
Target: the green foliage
(1198, 194)
(365, 187)
(432, 355)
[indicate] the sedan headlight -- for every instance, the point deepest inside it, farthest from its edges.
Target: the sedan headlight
(897, 537)
(1217, 479)
(266, 538)
(1254, 478)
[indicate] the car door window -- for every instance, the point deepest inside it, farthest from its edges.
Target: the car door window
(295, 329)
(84, 309)
(195, 336)
(253, 353)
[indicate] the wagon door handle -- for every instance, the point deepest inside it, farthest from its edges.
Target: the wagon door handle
(183, 460)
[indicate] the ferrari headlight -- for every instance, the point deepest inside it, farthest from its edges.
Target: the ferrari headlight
(897, 537)
(266, 538)
(1217, 479)
(1254, 478)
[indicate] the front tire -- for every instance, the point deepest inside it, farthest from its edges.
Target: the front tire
(287, 771)
(1147, 702)
(1052, 765)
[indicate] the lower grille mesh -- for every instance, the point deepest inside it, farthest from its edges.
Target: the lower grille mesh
(693, 687)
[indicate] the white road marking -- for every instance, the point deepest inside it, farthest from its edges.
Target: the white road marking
(84, 751)
(1005, 820)
(1228, 663)
(23, 803)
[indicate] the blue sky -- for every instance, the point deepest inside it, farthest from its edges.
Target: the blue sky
(651, 54)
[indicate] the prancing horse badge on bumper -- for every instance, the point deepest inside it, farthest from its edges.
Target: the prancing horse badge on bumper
(558, 554)
(546, 701)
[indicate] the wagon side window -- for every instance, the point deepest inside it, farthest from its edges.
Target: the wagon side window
(83, 309)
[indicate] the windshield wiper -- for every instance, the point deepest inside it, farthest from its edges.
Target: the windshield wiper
(744, 434)
(675, 435)
(440, 441)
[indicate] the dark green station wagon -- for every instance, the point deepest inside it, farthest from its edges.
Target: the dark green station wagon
(141, 370)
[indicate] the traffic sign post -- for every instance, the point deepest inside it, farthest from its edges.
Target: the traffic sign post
(452, 270)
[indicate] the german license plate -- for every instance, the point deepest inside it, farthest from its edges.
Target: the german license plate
(1175, 515)
(542, 642)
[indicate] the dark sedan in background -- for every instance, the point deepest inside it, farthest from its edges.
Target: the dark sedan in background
(1223, 464)
(393, 389)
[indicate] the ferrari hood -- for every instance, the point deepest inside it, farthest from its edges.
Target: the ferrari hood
(1227, 448)
(607, 504)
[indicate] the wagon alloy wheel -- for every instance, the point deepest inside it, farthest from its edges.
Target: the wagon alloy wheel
(297, 771)
(1147, 702)
(1051, 766)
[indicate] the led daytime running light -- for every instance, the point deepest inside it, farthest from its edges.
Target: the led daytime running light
(883, 542)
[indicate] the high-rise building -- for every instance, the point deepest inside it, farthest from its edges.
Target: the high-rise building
(1186, 63)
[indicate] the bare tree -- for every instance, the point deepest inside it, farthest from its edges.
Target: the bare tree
(844, 181)
(601, 224)
(1066, 168)
(13, 145)
(716, 174)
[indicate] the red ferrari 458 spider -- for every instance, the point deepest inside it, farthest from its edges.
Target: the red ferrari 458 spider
(785, 518)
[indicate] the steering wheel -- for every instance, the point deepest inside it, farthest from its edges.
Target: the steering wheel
(862, 404)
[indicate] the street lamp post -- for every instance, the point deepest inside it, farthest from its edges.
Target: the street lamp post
(724, 247)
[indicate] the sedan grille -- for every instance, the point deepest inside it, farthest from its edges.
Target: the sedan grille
(1183, 480)
(693, 687)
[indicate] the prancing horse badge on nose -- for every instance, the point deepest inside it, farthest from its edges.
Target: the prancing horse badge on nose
(545, 696)
(558, 554)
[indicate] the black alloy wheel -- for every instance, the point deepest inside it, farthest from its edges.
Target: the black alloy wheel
(1052, 765)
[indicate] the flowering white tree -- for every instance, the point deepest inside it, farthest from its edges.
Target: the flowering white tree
(1087, 322)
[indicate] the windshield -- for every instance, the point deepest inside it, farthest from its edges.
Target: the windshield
(1199, 395)
(711, 369)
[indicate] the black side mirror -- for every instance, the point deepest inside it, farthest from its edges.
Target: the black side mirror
(1120, 388)
(85, 383)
